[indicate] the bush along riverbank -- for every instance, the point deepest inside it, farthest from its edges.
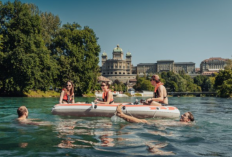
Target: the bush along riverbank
(40, 93)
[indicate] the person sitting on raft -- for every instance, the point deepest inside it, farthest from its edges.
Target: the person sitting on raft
(107, 96)
(186, 117)
(67, 94)
(160, 93)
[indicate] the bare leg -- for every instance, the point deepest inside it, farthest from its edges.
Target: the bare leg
(128, 118)
(152, 103)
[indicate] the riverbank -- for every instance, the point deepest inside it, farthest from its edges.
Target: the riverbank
(39, 94)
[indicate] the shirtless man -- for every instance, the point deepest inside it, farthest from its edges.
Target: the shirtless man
(160, 93)
(185, 118)
(22, 113)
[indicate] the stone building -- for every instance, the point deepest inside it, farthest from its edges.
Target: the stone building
(187, 67)
(117, 67)
(212, 64)
(165, 65)
(146, 68)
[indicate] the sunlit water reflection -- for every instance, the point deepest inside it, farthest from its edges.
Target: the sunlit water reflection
(211, 135)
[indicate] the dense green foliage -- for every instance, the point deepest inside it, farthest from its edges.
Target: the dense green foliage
(118, 86)
(36, 53)
(206, 83)
(172, 81)
(228, 64)
(223, 83)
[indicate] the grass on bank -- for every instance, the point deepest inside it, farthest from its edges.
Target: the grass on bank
(40, 93)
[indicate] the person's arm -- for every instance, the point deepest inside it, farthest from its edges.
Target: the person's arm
(73, 98)
(161, 95)
(109, 95)
(61, 97)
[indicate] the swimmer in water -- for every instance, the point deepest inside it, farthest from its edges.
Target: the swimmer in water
(185, 118)
(22, 113)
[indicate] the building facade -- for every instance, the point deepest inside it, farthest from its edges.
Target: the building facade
(213, 64)
(165, 65)
(117, 68)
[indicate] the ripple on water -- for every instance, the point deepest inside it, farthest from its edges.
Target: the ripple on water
(74, 136)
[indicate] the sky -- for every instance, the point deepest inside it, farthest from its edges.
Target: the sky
(179, 30)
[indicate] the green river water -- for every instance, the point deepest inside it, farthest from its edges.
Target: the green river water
(211, 135)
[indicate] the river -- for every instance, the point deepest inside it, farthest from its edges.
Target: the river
(211, 135)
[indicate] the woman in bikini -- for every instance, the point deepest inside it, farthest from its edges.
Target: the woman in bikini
(107, 96)
(67, 94)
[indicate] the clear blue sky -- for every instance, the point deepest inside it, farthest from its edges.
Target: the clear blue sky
(179, 30)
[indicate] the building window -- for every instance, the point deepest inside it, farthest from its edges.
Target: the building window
(111, 72)
(112, 67)
(103, 73)
(108, 66)
(119, 72)
(120, 67)
(123, 73)
(115, 72)
(128, 73)
(123, 67)
(107, 73)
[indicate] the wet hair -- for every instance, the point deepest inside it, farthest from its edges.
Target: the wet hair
(72, 89)
(21, 111)
(191, 118)
(107, 84)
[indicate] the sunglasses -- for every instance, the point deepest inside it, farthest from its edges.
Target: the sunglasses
(103, 85)
(69, 85)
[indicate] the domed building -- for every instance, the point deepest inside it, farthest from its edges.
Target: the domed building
(117, 68)
(213, 64)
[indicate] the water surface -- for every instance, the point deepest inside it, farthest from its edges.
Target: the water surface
(211, 135)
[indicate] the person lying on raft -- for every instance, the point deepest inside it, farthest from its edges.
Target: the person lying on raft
(67, 93)
(107, 96)
(160, 93)
(186, 117)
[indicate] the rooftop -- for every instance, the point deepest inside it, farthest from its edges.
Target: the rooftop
(214, 59)
(165, 61)
(140, 64)
(184, 63)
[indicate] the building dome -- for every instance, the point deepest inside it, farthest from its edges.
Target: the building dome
(128, 54)
(117, 49)
(104, 54)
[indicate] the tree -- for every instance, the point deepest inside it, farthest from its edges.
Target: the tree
(26, 62)
(228, 64)
(77, 52)
(50, 25)
(223, 83)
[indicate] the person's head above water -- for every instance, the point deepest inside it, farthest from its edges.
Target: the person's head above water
(187, 117)
(22, 112)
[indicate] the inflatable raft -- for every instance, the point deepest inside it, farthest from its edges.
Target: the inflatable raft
(108, 110)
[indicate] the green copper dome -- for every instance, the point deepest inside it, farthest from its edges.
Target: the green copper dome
(104, 54)
(117, 49)
(128, 54)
